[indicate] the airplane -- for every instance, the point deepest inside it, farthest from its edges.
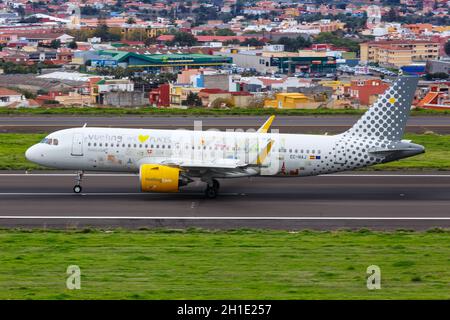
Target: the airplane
(167, 160)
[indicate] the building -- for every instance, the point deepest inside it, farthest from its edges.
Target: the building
(270, 62)
(116, 92)
(164, 62)
(437, 98)
(438, 66)
(399, 53)
(366, 91)
(10, 97)
(291, 101)
(160, 97)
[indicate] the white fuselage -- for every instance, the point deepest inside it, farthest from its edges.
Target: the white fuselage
(124, 150)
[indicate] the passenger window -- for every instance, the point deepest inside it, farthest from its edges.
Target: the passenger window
(95, 144)
(89, 144)
(55, 142)
(106, 144)
(140, 146)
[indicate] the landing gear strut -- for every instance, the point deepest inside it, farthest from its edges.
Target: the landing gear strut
(77, 188)
(212, 189)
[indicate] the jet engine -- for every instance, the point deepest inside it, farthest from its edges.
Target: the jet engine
(159, 178)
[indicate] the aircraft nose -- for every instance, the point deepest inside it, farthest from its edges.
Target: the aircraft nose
(32, 153)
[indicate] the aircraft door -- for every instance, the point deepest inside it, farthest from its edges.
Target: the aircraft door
(77, 144)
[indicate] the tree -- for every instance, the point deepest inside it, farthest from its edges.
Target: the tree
(447, 48)
(293, 45)
(102, 31)
(193, 100)
(225, 32)
(222, 103)
(55, 44)
(72, 45)
(392, 15)
(337, 40)
(252, 42)
(131, 20)
(183, 39)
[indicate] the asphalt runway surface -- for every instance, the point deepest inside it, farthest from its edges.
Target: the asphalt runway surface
(383, 201)
(286, 124)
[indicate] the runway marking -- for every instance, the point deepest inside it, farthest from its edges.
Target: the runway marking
(220, 218)
(106, 194)
(137, 175)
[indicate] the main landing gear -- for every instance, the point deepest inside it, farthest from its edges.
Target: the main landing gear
(77, 188)
(212, 189)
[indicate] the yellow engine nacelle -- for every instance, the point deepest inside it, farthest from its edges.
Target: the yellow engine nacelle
(158, 178)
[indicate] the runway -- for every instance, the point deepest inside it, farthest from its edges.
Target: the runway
(286, 124)
(383, 201)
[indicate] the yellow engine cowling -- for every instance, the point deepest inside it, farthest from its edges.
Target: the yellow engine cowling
(158, 178)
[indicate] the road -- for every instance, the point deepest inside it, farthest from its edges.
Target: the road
(383, 201)
(286, 124)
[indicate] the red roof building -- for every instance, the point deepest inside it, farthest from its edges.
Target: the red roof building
(366, 91)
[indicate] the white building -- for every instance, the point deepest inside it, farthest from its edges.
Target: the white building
(10, 97)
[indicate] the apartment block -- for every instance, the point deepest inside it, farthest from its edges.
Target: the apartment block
(399, 53)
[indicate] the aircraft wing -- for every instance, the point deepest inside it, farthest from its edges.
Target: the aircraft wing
(220, 166)
(189, 164)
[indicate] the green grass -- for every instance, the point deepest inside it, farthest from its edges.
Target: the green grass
(13, 147)
(193, 111)
(239, 264)
(437, 156)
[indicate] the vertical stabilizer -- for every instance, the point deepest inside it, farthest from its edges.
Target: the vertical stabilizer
(386, 118)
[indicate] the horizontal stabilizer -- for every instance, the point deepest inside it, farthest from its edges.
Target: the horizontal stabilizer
(266, 126)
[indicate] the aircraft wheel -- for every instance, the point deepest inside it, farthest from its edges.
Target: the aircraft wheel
(211, 192)
(216, 184)
(77, 188)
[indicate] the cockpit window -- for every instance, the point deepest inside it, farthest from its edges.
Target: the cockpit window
(49, 141)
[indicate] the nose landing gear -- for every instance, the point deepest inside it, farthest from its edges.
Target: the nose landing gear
(212, 189)
(77, 188)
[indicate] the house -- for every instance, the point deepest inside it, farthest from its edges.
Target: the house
(160, 97)
(10, 97)
(13, 99)
(437, 98)
(366, 91)
(291, 101)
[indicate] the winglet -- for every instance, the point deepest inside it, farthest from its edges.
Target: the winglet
(265, 127)
(264, 152)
